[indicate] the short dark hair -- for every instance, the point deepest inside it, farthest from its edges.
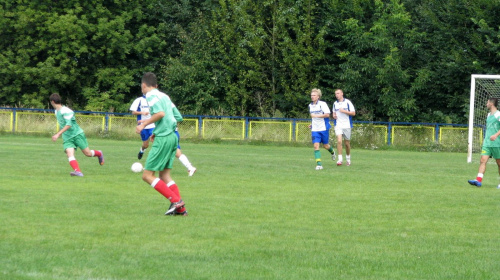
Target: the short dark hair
(494, 101)
(56, 98)
(149, 79)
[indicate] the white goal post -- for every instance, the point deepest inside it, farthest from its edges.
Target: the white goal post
(482, 87)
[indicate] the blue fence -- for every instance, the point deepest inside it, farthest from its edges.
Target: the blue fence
(241, 128)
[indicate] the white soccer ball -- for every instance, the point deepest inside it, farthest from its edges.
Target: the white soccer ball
(136, 167)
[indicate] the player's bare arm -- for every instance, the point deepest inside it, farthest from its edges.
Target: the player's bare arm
(140, 113)
(494, 136)
(350, 113)
(327, 115)
(57, 135)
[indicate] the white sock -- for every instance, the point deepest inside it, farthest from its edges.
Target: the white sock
(348, 157)
(340, 157)
(185, 161)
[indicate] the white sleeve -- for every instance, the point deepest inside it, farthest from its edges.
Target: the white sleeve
(351, 107)
(325, 108)
(135, 104)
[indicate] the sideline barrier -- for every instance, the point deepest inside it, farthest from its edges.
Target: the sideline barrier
(364, 134)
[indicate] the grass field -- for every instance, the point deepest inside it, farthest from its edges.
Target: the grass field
(255, 212)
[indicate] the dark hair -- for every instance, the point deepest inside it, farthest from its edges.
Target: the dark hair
(56, 98)
(494, 101)
(149, 79)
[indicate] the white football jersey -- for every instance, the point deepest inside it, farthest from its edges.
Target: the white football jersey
(140, 104)
(343, 120)
(319, 124)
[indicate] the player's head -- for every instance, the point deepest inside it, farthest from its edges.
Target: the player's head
(339, 94)
(56, 98)
(148, 81)
(493, 102)
(315, 94)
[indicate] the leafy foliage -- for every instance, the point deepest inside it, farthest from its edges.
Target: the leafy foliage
(397, 60)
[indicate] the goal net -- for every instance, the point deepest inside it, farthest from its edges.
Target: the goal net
(482, 87)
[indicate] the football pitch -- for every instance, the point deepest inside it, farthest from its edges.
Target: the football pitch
(255, 212)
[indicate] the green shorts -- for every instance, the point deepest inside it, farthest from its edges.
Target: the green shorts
(493, 152)
(79, 141)
(162, 153)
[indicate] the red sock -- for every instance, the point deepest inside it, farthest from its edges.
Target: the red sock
(479, 179)
(162, 188)
(74, 165)
(173, 187)
(97, 153)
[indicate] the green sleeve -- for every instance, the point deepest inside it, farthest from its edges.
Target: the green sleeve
(177, 114)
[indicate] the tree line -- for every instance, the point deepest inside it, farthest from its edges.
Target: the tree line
(397, 60)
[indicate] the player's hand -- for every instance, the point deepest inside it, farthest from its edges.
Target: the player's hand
(55, 136)
(139, 128)
(493, 137)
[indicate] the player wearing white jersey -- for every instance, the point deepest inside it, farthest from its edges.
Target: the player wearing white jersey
(140, 108)
(320, 126)
(343, 111)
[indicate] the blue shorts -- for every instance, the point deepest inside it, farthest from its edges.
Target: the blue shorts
(321, 137)
(178, 140)
(146, 133)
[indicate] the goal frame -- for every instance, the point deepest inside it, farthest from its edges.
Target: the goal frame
(471, 109)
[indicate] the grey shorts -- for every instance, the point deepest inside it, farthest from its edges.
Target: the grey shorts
(345, 132)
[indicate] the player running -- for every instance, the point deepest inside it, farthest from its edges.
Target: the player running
(73, 136)
(162, 154)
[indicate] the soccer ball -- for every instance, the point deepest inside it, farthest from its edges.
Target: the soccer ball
(136, 167)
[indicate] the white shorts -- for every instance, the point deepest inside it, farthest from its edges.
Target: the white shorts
(345, 132)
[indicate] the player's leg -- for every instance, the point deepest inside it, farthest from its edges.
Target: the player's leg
(81, 142)
(183, 158)
(482, 168)
(174, 209)
(70, 152)
(326, 144)
(347, 140)
(339, 148)
(161, 158)
(145, 136)
(316, 138)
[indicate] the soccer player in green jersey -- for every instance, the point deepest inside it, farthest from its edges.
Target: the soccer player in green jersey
(491, 144)
(73, 136)
(162, 154)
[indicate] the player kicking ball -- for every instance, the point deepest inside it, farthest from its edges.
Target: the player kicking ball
(73, 136)
(491, 144)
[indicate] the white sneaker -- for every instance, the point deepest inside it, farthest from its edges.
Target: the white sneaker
(348, 163)
(498, 187)
(333, 156)
(319, 167)
(191, 171)
(339, 163)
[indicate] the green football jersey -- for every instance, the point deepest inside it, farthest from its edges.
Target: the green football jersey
(65, 116)
(492, 127)
(160, 102)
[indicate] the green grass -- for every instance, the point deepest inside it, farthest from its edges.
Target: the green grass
(255, 212)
